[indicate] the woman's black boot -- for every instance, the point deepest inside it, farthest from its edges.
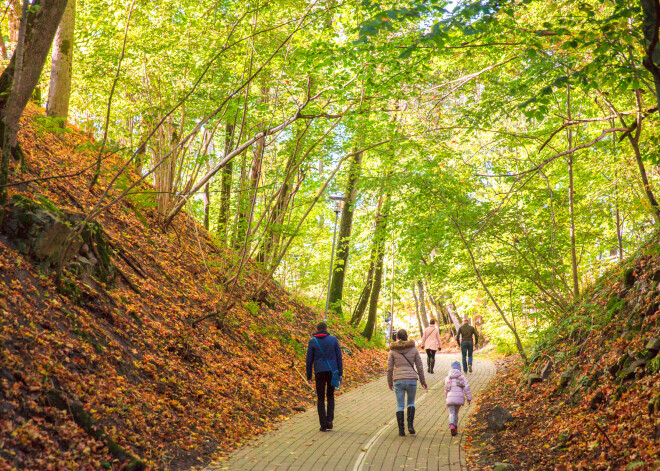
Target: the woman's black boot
(411, 420)
(432, 365)
(399, 421)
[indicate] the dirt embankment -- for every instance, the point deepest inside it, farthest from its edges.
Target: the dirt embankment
(105, 368)
(589, 399)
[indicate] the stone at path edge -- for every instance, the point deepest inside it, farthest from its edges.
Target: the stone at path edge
(498, 418)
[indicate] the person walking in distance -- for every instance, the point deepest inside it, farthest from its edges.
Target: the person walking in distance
(431, 342)
(457, 389)
(324, 355)
(404, 366)
(467, 337)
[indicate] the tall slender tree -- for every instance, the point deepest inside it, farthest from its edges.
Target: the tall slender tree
(379, 243)
(59, 91)
(343, 245)
(422, 304)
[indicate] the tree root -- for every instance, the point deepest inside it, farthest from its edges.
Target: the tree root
(81, 417)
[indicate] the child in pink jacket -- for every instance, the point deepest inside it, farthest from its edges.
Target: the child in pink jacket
(456, 390)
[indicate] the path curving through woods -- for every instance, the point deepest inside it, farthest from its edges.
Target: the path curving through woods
(365, 436)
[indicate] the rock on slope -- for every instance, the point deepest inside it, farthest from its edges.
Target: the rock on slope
(593, 402)
(105, 369)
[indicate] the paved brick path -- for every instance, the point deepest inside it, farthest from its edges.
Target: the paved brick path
(365, 435)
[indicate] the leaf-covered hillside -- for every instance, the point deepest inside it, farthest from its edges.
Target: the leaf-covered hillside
(588, 399)
(108, 369)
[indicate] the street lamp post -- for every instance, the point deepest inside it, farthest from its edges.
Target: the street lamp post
(338, 200)
(392, 293)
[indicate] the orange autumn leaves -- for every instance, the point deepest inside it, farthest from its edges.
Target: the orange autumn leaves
(169, 393)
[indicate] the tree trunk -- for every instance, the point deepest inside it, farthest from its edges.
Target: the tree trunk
(440, 315)
(59, 91)
(21, 76)
(512, 328)
(455, 318)
(368, 331)
(422, 304)
(419, 319)
(14, 20)
(618, 218)
(447, 318)
(363, 300)
(365, 296)
(275, 228)
(240, 223)
(650, 25)
(343, 246)
(207, 205)
(225, 191)
(634, 142)
(379, 245)
(252, 189)
(43, 17)
(571, 194)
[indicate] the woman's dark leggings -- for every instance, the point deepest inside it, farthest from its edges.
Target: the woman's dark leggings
(430, 358)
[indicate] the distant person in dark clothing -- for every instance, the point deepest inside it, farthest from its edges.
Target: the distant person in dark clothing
(324, 355)
(467, 337)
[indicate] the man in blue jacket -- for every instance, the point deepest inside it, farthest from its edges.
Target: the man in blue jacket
(324, 354)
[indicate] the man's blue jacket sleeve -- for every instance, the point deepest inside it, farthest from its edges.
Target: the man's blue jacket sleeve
(340, 364)
(309, 360)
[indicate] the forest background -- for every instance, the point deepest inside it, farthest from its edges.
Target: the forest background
(493, 157)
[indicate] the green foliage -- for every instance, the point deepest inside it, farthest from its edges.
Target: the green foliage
(252, 307)
(464, 109)
(48, 124)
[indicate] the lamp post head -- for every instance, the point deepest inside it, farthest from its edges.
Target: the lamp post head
(338, 199)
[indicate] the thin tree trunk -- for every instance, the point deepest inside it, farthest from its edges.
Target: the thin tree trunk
(240, 224)
(225, 191)
(343, 245)
(207, 205)
(97, 170)
(14, 20)
(449, 321)
(440, 315)
(455, 315)
(274, 230)
(419, 319)
(634, 142)
(59, 91)
(519, 346)
(363, 300)
(379, 244)
(369, 327)
(422, 304)
(571, 194)
(618, 218)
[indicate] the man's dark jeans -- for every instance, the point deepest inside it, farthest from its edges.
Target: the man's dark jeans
(323, 389)
(466, 350)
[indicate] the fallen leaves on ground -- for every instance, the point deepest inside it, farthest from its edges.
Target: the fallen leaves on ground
(173, 394)
(603, 414)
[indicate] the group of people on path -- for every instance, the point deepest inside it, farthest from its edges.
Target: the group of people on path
(404, 369)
